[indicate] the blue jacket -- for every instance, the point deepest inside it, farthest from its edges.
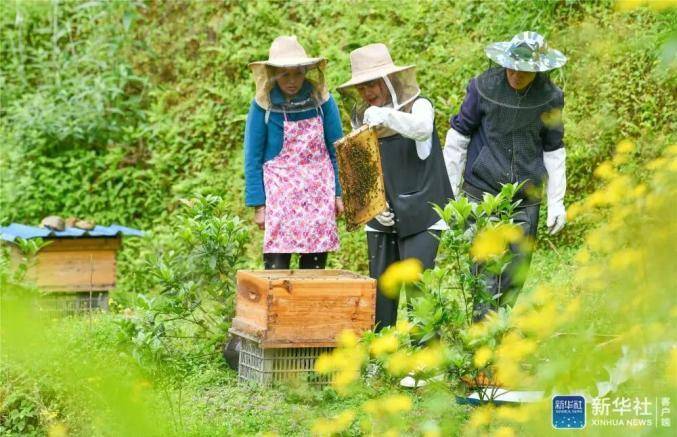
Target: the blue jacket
(263, 140)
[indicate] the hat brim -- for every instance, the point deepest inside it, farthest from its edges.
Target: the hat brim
(289, 62)
(498, 52)
(376, 73)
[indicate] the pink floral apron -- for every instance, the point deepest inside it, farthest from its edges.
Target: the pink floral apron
(300, 196)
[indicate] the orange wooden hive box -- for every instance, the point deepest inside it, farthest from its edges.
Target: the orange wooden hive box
(302, 308)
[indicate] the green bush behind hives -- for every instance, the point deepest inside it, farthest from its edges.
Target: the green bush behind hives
(116, 110)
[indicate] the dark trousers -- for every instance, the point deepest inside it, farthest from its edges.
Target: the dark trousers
(505, 288)
(281, 261)
(387, 248)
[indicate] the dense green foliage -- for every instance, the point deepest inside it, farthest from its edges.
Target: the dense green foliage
(116, 110)
(119, 111)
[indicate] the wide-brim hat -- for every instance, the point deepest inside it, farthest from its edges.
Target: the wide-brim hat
(371, 62)
(527, 51)
(285, 51)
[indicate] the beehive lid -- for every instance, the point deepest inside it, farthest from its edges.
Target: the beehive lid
(15, 230)
(361, 176)
(306, 274)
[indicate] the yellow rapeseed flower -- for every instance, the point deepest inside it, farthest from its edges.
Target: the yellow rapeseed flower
(504, 431)
(482, 356)
(493, 241)
(399, 364)
(625, 146)
(347, 339)
(540, 322)
(582, 257)
(403, 327)
(605, 171)
(399, 273)
(624, 258)
(334, 425)
(383, 345)
(57, 430)
(574, 211)
(396, 404)
(672, 367)
(324, 364)
(513, 414)
(481, 417)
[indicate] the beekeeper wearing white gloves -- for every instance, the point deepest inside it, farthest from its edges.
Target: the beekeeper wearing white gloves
(509, 130)
(387, 96)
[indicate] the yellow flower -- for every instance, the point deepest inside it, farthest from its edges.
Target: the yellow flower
(492, 241)
(504, 431)
(540, 322)
(514, 414)
(582, 257)
(403, 327)
(57, 430)
(398, 274)
(482, 356)
(324, 364)
(347, 339)
(605, 171)
(672, 367)
(396, 404)
(383, 345)
(625, 146)
(335, 425)
(513, 347)
(656, 163)
(427, 359)
(624, 258)
(481, 416)
(398, 364)
(574, 211)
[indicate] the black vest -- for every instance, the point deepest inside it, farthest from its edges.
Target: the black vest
(508, 147)
(412, 184)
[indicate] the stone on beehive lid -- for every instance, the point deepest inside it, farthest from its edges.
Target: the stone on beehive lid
(53, 222)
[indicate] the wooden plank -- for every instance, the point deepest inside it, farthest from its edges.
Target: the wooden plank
(80, 244)
(74, 270)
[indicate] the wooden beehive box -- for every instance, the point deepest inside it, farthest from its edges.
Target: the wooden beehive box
(302, 308)
(78, 264)
(75, 260)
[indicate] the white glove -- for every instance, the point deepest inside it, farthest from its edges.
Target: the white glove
(376, 116)
(555, 165)
(386, 218)
(455, 152)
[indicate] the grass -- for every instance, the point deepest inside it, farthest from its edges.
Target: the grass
(197, 398)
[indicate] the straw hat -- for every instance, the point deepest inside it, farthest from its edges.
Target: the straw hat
(371, 62)
(527, 51)
(287, 52)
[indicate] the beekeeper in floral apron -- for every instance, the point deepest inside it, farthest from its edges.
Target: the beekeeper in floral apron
(291, 176)
(387, 97)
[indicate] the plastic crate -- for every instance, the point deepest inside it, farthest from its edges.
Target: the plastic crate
(269, 366)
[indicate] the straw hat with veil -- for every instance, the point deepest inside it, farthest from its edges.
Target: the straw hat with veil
(373, 62)
(286, 52)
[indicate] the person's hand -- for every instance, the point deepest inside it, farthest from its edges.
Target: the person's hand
(339, 207)
(557, 218)
(260, 216)
(376, 116)
(386, 218)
